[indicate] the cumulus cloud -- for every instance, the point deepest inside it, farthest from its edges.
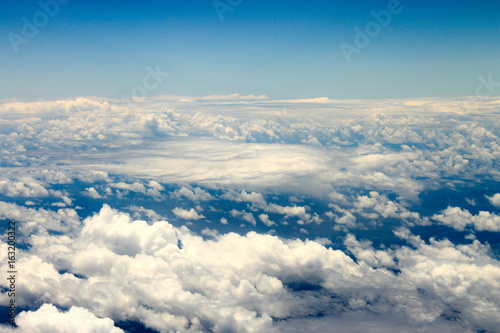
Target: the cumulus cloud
(187, 214)
(258, 201)
(383, 206)
(170, 279)
(245, 216)
(92, 192)
(140, 211)
(152, 188)
(195, 194)
(48, 319)
(40, 220)
(264, 218)
(402, 146)
(460, 219)
(24, 187)
(494, 199)
(302, 166)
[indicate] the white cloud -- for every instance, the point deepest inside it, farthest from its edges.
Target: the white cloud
(494, 199)
(347, 220)
(404, 148)
(37, 220)
(48, 319)
(338, 198)
(460, 219)
(385, 207)
(258, 201)
(321, 100)
(245, 216)
(195, 194)
(25, 187)
(210, 232)
(152, 188)
(92, 192)
(233, 97)
(264, 218)
(140, 211)
(51, 107)
(186, 214)
(172, 280)
(243, 196)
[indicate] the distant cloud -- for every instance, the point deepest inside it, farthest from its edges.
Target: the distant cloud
(245, 216)
(460, 219)
(321, 100)
(494, 199)
(152, 188)
(39, 219)
(24, 187)
(195, 194)
(92, 192)
(190, 214)
(233, 97)
(352, 179)
(264, 218)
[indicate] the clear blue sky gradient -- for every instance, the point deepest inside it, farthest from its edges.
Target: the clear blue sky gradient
(284, 49)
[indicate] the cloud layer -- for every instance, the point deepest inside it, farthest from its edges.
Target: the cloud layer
(171, 279)
(247, 214)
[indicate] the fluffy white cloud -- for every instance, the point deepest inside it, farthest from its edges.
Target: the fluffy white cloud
(494, 199)
(369, 160)
(399, 146)
(171, 279)
(264, 218)
(258, 201)
(187, 214)
(40, 220)
(152, 188)
(140, 211)
(48, 319)
(245, 216)
(460, 219)
(380, 204)
(195, 194)
(25, 187)
(92, 192)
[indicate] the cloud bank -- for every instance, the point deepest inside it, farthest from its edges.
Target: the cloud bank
(247, 214)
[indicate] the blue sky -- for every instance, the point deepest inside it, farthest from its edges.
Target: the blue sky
(284, 49)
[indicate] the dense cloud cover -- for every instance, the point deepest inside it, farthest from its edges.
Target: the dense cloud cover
(245, 214)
